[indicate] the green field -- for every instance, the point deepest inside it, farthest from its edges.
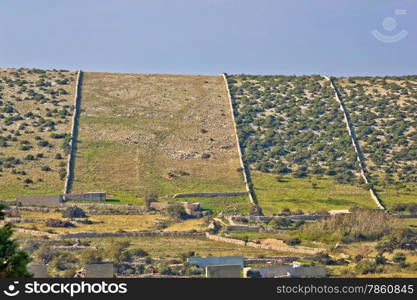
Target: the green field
(157, 247)
(298, 193)
(391, 195)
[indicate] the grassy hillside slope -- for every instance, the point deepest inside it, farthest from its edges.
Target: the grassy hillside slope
(35, 120)
(384, 113)
(159, 134)
(292, 133)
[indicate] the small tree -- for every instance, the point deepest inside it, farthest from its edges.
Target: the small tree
(380, 260)
(13, 262)
(150, 197)
(74, 212)
(399, 258)
(117, 251)
(90, 256)
(177, 212)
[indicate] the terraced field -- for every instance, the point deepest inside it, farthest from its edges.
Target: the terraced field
(384, 113)
(35, 119)
(160, 134)
(293, 127)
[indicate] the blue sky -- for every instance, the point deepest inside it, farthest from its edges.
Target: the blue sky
(210, 36)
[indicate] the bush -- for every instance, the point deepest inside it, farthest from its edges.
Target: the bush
(116, 251)
(280, 222)
(293, 241)
(398, 239)
(355, 226)
(177, 212)
(44, 255)
(380, 260)
(73, 212)
(253, 274)
(139, 252)
(191, 269)
(399, 258)
(58, 223)
(90, 256)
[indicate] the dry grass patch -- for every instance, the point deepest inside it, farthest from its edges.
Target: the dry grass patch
(101, 223)
(155, 133)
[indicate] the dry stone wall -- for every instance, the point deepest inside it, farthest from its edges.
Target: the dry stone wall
(355, 142)
(74, 128)
(245, 177)
(294, 249)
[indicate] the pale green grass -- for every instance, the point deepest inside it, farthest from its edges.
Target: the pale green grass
(391, 196)
(164, 247)
(238, 204)
(298, 193)
(133, 126)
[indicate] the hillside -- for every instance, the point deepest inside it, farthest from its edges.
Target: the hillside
(384, 114)
(295, 142)
(161, 134)
(35, 119)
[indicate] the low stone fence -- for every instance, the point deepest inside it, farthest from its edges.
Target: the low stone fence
(275, 259)
(410, 216)
(234, 219)
(226, 194)
(243, 228)
(129, 234)
(294, 249)
(80, 235)
(36, 233)
(94, 209)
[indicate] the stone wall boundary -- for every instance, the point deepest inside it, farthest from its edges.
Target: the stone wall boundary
(222, 194)
(293, 249)
(355, 143)
(242, 165)
(108, 234)
(74, 128)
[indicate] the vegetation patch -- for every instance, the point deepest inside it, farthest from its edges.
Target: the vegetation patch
(36, 108)
(161, 134)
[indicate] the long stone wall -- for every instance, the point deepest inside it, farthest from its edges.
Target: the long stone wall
(294, 249)
(74, 128)
(40, 200)
(80, 235)
(355, 143)
(245, 177)
(226, 194)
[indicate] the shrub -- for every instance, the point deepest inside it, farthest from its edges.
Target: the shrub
(73, 212)
(177, 212)
(116, 251)
(351, 227)
(191, 269)
(90, 256)
(253, 274)
(139, 252)
(58, 223)
(380, 260)
(280, 222)
(293, 241)
(399, 258)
